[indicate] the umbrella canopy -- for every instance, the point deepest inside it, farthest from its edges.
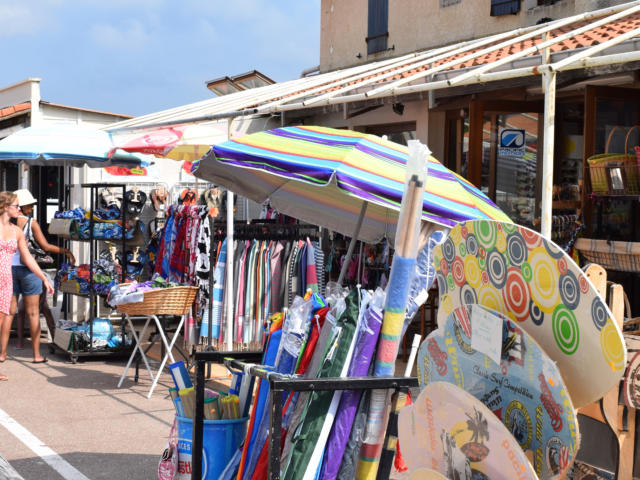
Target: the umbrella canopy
(180, 142)
(64, 144)
(322, 176)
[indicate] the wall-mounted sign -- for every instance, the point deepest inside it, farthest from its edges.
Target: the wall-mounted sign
(511, 142)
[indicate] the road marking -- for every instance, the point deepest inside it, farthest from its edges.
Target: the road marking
(54, 460)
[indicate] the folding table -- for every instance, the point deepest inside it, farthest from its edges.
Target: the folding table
(138, 347)
(164, 301)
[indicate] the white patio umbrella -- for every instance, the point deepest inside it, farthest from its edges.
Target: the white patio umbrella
(64, 145)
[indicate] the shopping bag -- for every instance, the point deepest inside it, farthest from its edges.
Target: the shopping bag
(168, 465)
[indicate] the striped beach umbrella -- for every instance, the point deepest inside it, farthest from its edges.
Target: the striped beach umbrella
(322, 176)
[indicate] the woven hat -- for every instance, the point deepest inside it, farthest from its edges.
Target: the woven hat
(25, 197)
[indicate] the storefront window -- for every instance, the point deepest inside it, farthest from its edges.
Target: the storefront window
(509, 163)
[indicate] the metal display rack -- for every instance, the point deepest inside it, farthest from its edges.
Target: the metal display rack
(72, 348)
(279, 384)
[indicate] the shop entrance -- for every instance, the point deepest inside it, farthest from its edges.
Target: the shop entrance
(503, 153)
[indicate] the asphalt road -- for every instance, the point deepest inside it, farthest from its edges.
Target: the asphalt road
(59, 417)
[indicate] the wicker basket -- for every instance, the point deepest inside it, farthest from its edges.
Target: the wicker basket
(620, 256)
(615, 173)
(163, 301)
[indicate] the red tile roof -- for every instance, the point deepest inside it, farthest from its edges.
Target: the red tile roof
(589, 38)
(14, 109)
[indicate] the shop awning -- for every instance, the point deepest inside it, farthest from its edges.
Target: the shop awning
(598, 38)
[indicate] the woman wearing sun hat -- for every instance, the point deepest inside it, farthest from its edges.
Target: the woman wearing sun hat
(26, 283)
(12, 241)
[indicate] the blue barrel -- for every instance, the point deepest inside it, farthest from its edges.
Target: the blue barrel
(221, 438)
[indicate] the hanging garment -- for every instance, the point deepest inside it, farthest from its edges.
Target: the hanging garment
(218, 290)
(284, 282)
(250, 292)
(277, 253)
(312, 276)
(320, 268)
(238, 270)
(302, 270)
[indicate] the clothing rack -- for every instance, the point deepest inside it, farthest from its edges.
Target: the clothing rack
(268, 231)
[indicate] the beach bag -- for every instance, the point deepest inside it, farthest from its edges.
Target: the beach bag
(36, 251)
(168, 465)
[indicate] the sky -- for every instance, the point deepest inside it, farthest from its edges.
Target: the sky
(142, 56)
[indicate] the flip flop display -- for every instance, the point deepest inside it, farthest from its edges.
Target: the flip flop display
(515, 271)
(450, 431)
(525, 390)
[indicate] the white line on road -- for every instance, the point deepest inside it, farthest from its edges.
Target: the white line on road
(54, 460)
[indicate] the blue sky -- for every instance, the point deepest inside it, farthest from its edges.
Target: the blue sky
(142, 56)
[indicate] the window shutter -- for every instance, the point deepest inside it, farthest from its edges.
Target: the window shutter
(378, 26)
(504, 7)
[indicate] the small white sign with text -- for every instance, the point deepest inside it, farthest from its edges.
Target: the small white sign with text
(486, 333)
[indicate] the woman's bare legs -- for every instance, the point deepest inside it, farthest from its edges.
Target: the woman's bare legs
(5, 329)
(32, 308)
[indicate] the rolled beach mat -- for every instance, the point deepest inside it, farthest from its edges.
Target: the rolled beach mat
(517, 272)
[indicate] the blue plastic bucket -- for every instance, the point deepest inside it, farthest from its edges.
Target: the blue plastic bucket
(220, 440)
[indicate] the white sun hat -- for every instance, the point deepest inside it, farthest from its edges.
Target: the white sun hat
(25, 197)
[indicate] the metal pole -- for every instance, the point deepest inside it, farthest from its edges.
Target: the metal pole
(549, 85)
(229, 267)
(352, 244)
(198, 424)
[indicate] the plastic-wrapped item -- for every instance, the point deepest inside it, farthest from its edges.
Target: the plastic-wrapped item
(423, 277)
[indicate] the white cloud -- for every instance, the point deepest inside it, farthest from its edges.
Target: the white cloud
(18, 19)
(131, 35)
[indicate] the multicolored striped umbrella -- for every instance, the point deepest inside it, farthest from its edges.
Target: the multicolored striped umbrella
(322, 176)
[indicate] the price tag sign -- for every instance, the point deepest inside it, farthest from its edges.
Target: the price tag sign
(486, 333)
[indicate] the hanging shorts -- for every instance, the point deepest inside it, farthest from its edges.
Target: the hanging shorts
(25, 282)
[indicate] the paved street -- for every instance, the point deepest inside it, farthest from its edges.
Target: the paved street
(77, 412)
(64, 421)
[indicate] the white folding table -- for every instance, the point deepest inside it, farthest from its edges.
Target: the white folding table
(138, 347)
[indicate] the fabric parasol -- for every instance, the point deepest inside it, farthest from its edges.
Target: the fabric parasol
(187, 142)
(63, 144)
(322, 176)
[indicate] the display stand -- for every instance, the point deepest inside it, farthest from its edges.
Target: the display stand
(168, 301)
(279, 384)
(609, 410)
(68, 343)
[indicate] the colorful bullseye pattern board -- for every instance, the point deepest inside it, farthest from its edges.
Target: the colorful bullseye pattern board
(525, 390)
(515, 271)
(450, 431)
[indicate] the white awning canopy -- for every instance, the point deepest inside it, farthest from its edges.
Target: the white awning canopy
(598, 38)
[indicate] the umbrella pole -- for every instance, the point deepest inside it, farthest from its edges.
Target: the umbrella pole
(352, 244)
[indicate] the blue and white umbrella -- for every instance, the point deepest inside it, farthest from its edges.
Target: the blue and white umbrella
(64, 145)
